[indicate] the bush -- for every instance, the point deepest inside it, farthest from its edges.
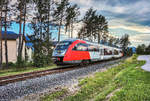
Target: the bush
(10, 64)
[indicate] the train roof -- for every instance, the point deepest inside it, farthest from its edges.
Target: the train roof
(94, 43)
(71, 40)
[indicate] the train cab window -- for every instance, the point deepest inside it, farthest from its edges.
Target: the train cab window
(63, 45)
(81, 47)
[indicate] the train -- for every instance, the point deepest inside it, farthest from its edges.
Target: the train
(77, 51)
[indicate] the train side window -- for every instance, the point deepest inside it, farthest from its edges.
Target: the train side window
(93, 48)
(116, 52)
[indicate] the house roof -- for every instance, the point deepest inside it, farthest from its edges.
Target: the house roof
(10, 35)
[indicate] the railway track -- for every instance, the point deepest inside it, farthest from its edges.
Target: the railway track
(21, 77)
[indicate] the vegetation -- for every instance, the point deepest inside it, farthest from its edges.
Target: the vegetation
(47, 14)
(124, 42)
(41, 36)
(13, 70)
(143, 50)
(126, 82)
(72, 13)
(54, 95)
(94, 26)
(59, 14)
(1, 5)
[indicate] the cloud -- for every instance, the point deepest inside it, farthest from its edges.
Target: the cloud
(124, 16)
(140, 29)
(140, 39)
(129, 10)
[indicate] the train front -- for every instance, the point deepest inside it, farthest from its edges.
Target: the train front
(60, 51)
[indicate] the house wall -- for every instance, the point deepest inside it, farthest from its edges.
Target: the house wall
(12, 50)
(29, 53)
(23, 49)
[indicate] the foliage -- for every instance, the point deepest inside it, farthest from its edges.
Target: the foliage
(41, 37)
(22, 8)
(142, 49)
(60, 13)
(124, 42)
(10, 64)
(72, 13)
(94, 26)
(13, 70)
(54, 95)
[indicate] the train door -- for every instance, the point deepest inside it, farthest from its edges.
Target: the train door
(94, 52)
(101, 53)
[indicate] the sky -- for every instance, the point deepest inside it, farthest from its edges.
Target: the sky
(124, 17)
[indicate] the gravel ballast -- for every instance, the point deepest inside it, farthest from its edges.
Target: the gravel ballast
(31, 86)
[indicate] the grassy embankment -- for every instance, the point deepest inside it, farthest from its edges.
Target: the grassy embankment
(126, 82)
(14, 71)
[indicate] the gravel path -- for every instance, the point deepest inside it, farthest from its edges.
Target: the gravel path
(31, 86)
(146, 67)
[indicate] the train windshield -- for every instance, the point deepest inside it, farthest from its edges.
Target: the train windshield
(63, 45)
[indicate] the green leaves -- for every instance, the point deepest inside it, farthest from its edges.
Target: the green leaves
(94, 27)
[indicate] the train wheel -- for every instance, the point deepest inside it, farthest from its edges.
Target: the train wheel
(85, 62)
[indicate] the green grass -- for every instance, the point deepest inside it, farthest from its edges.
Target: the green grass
(13, 70)
(126, 82)
(133, 84)
(54, 95)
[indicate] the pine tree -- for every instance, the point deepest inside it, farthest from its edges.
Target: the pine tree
(71, 18)
(5, 28)
(59, 14)
(94, 26)
(124, 42)
(41, 37)
(1, 55)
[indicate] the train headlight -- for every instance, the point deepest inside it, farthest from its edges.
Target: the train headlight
(63, 52)
(59, 52)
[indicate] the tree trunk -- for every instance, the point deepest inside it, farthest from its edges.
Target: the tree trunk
(20, 37)
(59, 29)
(72, 30)
(49, 9)
(5, 35)
(69, 31)
(1, 57)
(24, 24)
(99, 38)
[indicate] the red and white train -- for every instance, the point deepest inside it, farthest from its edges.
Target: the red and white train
(76, 51)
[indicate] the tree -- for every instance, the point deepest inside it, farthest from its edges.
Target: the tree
(1, 55)
(143, 49)
(22, 8)
(94, 26)
(147, 50)
(41, 35)
(72, 13)
(139, 50)
(111, 41)
(5, 28)
(88, 25)
(59, 14)
(102, 27)
(124, 42)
